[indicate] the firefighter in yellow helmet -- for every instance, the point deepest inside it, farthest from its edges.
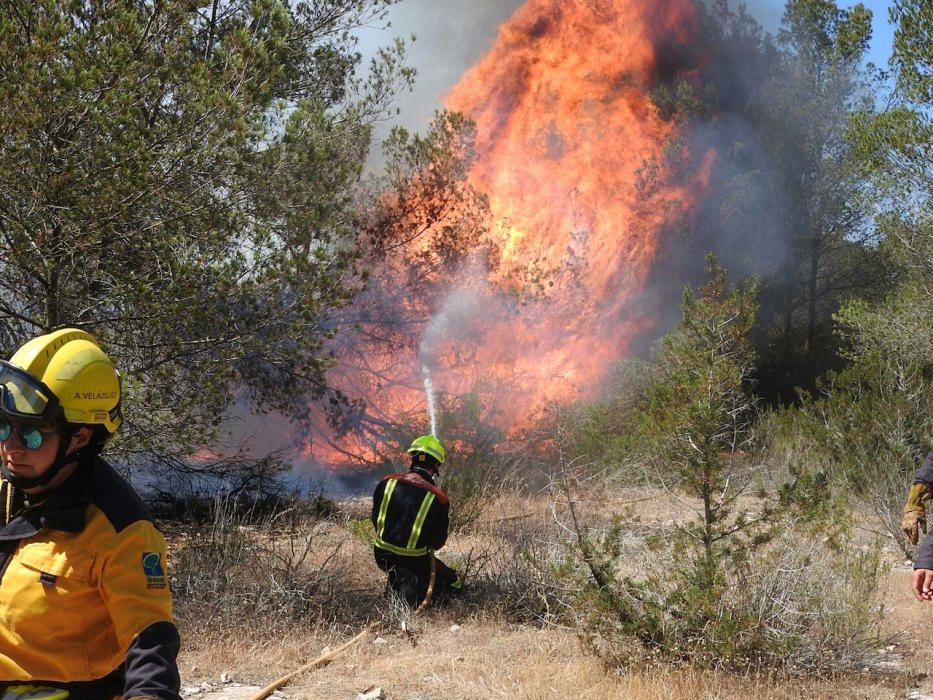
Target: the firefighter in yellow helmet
(411, 516)
(85, 608)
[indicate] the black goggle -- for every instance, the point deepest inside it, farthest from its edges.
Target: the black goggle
(24, 396)
(31, 436)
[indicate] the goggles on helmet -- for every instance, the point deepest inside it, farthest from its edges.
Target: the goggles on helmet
(31, 436)
(25, 397)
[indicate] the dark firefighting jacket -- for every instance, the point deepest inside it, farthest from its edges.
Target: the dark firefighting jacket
(410, 514)
(84, 597)
(924, 475)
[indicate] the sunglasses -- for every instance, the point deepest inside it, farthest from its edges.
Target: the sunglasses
(29, 435)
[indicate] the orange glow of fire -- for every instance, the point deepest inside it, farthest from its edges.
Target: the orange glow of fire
(567, 142)
(564, 124)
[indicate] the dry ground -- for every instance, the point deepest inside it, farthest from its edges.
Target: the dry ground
(467, 652)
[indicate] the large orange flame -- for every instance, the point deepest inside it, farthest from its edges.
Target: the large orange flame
(565, 121)
(570, 152)
(566, 135)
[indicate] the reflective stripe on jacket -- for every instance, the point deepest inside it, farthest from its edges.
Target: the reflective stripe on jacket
(84, 590)
(410, 514)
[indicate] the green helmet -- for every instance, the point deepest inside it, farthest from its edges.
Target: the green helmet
(430, 445)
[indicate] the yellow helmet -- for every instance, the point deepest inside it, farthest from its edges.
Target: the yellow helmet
(429, 445)
(62, 375)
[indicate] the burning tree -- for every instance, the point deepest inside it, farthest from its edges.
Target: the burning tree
(610, 147)
(425, 229)
(512, 272)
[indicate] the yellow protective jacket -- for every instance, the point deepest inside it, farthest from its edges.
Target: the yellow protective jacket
(84, 597)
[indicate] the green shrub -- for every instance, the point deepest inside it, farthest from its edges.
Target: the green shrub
(797, 603)
(708, 591)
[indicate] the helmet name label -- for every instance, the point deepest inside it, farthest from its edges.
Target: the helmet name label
(95, 395)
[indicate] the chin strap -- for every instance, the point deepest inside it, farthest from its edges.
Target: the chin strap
(11, 502)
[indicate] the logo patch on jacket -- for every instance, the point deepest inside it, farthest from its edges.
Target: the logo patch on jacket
(152, 567)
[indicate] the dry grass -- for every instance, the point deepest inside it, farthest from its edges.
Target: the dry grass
(480, 647)
(484, 660)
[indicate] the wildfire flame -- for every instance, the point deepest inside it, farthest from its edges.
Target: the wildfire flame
(569, 144)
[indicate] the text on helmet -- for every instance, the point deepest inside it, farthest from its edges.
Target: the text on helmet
(95, 395)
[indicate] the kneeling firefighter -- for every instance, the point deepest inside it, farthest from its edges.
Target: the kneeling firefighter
(85, 608)
(411, 516)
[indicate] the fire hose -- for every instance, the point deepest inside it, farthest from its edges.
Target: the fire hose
(334, 653)
(430, 592)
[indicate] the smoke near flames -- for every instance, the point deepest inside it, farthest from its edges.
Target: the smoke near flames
(570, 149)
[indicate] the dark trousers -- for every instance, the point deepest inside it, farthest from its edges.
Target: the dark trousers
(409, 576)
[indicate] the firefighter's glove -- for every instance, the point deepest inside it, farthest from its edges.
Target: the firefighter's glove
(915, 514)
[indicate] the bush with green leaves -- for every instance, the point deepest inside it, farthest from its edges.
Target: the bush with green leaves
(871, 433)
(880, 411)
(797, 603)
(711, 588)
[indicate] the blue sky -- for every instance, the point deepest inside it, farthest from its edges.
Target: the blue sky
(768, 12)
(882, 32)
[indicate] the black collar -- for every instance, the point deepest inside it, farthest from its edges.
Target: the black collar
(64, 508)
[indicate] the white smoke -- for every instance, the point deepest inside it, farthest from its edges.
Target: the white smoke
(468, 308)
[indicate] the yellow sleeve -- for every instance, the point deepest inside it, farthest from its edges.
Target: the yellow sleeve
(134, 581)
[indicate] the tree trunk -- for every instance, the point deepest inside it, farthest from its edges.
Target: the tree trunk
(816, 250)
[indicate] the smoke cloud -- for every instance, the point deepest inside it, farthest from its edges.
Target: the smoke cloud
(450, 36)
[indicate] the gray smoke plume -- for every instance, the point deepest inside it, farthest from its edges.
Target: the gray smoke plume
(450, 37)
